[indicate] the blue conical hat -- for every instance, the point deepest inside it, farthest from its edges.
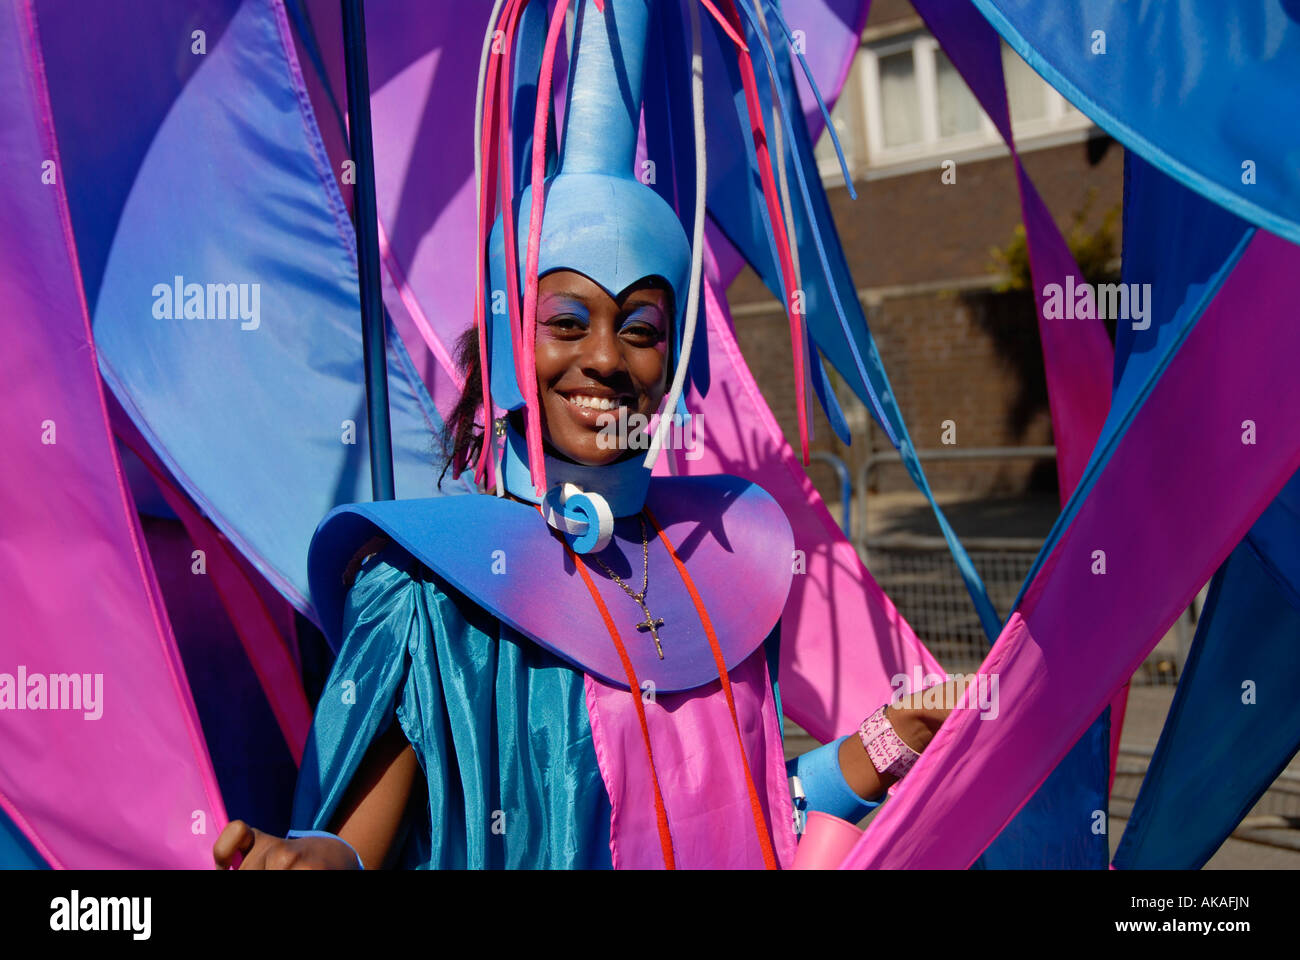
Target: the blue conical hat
(599, 220)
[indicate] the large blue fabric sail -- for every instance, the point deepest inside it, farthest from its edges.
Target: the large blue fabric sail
(1233, 725)
(1064, 825)
(260, 413)
(1200, 88)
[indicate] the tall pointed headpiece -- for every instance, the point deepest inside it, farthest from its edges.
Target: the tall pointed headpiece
(594, 216)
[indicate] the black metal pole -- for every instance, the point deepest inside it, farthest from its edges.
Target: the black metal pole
(367, 231)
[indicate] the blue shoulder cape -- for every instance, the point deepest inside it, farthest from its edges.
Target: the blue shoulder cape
(732, 537)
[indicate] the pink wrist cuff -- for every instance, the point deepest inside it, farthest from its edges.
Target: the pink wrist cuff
(885, 748)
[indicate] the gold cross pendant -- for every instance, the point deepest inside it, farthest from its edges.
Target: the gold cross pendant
(650, 625)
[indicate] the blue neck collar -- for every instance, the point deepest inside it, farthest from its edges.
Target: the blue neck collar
(623, 484)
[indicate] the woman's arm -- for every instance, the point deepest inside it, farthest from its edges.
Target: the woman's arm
(368, 818)
(839, 778)
(371, 812)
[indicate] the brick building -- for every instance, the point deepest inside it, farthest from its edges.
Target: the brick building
(921, 254)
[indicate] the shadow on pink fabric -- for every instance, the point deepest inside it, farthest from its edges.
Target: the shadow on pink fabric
(842, 639)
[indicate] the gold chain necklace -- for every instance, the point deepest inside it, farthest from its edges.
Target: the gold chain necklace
(650, 623)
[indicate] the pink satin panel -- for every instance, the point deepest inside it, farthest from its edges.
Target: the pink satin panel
(842, 640)
(131, 788)
(1178, 493)
(700, 773)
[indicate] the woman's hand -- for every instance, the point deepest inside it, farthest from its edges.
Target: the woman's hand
(915, 722)
(262, 851)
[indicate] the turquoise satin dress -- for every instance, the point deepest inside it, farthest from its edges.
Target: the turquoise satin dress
(498, 724)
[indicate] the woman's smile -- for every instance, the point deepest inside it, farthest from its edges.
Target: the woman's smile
(599, 360)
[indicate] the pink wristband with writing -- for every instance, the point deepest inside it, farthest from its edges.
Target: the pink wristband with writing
(886, 749)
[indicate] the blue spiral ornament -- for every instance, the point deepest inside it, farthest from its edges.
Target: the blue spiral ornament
(582, 516)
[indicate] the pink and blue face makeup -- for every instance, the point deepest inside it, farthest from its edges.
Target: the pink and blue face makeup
(600, 364)
(646, 322)
(565, 316)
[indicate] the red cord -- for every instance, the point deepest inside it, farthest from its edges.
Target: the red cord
(506, 183)
(770, 195)
(756, 808)
(536, 460)
(661, 812)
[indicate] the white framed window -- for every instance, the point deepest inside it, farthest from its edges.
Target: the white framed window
(904, 105)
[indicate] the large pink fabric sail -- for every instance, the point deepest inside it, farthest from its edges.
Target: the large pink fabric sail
(1165, 510)
(103, 730)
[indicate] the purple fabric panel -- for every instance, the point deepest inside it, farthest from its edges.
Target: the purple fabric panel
(403, 43)
(726, 257)
(975, 50)
(132, 787)
(391, 51)
(832, 30)
(1169, 505)
(265, 645)
(424, 70)
(1077, 354)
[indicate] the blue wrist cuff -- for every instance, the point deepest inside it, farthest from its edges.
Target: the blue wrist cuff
(824, 785)
(294, 834)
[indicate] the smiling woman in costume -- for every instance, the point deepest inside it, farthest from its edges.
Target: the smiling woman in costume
(580, 670)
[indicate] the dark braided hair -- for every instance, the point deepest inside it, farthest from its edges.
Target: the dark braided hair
(463, 438)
